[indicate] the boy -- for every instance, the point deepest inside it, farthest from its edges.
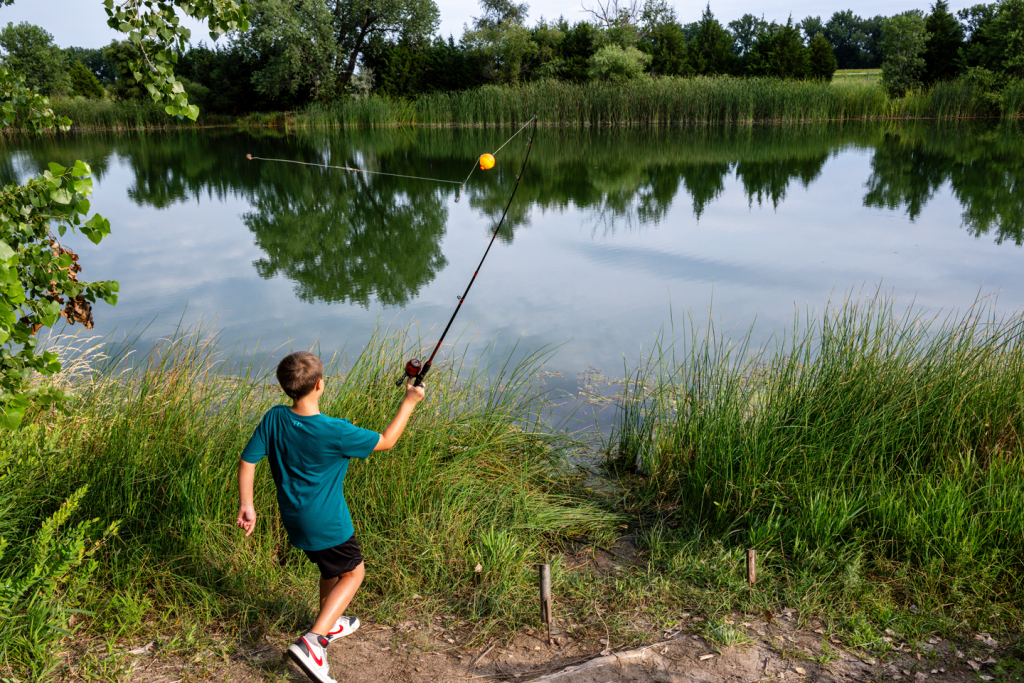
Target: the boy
(309, 455)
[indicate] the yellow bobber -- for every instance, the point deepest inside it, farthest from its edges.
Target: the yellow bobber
(486, 162)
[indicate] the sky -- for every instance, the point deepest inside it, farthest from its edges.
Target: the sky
(83, 22)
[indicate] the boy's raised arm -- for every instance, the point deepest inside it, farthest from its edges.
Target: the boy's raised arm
(246, 511)
(389, 437)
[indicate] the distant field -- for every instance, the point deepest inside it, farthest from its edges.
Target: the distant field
(863, 74)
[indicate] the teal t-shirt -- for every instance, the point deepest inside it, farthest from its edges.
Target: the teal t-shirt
(309, 457)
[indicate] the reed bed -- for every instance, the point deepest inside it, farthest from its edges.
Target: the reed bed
(154, 446)
(718, 99)
(876, 451)
(653, 101)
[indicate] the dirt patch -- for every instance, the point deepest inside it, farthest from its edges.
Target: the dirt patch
(429, 651)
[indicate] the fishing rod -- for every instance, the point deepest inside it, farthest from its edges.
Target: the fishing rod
(416, 370)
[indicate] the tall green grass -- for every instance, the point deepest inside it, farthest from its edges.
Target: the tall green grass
(156, 443)
(718, 99)
(121, 115)
(654, 101)
(869, 451)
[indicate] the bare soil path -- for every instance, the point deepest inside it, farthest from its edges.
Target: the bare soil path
(416, 652)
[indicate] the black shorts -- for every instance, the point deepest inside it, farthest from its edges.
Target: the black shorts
(341, 559)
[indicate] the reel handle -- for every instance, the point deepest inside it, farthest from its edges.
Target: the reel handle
(415, 369)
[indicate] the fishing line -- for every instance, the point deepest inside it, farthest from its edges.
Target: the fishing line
(250, 157)
(462, 185)
(414, 368)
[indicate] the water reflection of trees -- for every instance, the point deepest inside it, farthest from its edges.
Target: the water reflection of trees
(983, 165)
(341, 237)
(346, 237)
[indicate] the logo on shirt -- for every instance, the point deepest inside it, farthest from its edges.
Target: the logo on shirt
(297, 424)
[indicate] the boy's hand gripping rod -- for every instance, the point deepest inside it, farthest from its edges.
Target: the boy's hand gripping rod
(416, 370)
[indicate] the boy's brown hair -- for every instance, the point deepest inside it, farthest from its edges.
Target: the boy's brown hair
(298, 373)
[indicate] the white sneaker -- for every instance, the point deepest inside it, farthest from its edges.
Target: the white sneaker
(344, 626)
(310, 653)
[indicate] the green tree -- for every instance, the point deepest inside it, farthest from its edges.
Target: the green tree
(811, 26)
(29, 50)
(121, 55)
(945, 38)
(745, 31)
(226, 73)
(871, 48)
(845, 30)
(1008, 30)
(501, 38)
(574, 52)
(821, 62)
(661, 37)
(84, 82)
(296, 51)
(903, 44)
(310, 50)
(710, 51)
(95, 61)
(666, 45)
(545, 62)
(779, 52)
(613, 63)
(986, 42)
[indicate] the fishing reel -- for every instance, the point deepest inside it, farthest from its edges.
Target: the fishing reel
(414, 369)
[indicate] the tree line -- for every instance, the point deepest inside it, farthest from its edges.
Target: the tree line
(294, 54)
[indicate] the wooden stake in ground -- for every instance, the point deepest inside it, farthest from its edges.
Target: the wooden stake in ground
(545, 597)
(751, 567)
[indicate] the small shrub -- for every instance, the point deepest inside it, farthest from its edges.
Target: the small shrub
(613, 63)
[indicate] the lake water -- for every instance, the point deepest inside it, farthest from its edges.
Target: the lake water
(613, 233)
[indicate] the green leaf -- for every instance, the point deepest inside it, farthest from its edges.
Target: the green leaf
(6, 253)
(82, 186)
(96, 228)
(61, 196)
(64, 261)
(172, 110)
(81, 169)
(11, 419)
(56, 169)
(82, 206)
(193, 112)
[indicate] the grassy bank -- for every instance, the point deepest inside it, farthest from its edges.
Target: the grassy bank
(153, 449)
(872, 457)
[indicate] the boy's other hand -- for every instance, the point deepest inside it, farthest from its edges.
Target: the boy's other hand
(247, 519)
(413, 393)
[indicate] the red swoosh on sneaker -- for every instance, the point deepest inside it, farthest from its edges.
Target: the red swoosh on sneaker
(319, 662)
(340, 629)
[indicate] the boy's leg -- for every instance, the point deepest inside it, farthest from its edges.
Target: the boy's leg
(335, 596)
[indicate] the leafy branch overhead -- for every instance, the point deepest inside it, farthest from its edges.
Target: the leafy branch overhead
(154, 28)
(38, 275)
(39, 278)
(22, 107)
